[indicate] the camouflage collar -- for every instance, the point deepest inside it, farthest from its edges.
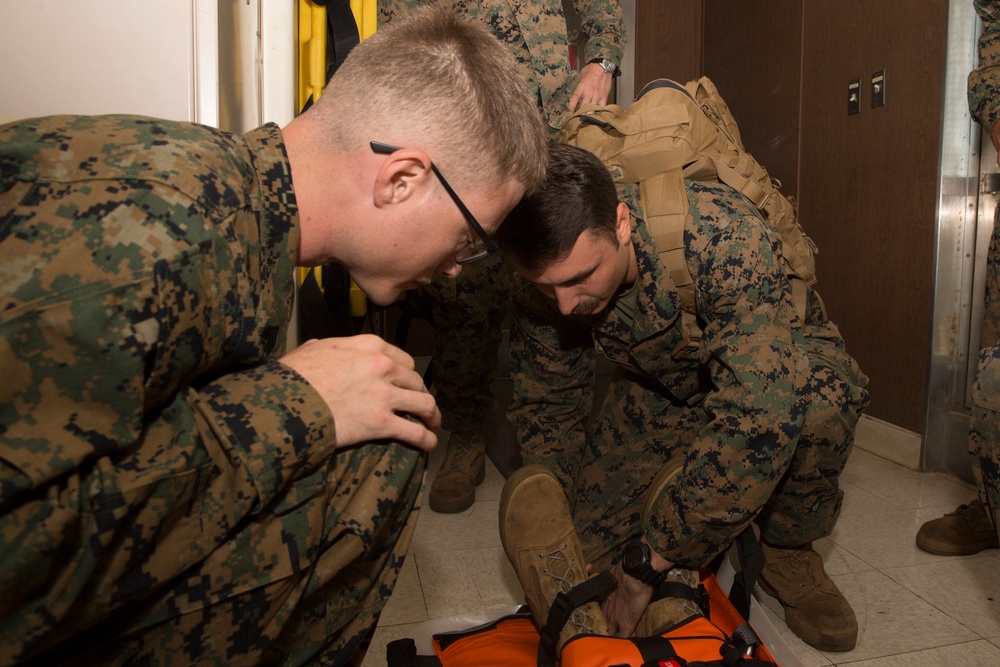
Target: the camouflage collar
(277, 207)
(277, 212)
(657, 306)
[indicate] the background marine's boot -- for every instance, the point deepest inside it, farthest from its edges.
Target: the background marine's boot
(463, 469)
(968, 530)
(537, 533)
(815, 609)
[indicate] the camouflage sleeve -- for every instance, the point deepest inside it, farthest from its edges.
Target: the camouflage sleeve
(601, 21)
(103, 462)
(757, 371)
(553, 369)
(984, 81)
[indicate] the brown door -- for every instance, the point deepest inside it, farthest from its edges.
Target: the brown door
(866, 183)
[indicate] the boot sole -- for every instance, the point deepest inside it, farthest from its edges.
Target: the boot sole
(511, 487)
(952, 550)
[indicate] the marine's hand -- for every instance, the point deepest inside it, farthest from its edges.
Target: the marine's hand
(593, 86)
(626, 604)
(368, 384)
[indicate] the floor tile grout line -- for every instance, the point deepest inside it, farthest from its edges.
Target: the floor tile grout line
(931, 602)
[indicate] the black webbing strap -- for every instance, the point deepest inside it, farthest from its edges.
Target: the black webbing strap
(341, 36)
(655, 650)
(403, 653)
(563, 607)
(676, 589)
(751, 563)
(663, 83)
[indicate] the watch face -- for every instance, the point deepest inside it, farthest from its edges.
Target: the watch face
(633, 557)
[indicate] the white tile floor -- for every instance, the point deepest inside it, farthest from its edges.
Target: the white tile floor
(913, 608)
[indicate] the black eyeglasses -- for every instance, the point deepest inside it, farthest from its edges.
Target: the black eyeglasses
(482, 244)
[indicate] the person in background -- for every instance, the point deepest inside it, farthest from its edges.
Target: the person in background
(973, 527)
(469, 312)
(175, 487)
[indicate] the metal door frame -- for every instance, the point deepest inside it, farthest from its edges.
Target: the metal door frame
(965, 218)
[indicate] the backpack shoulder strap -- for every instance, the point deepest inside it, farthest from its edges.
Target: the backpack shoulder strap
(664, 203)
(671, 133)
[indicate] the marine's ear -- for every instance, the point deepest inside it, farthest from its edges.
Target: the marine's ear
(623, 224)
(402, 174)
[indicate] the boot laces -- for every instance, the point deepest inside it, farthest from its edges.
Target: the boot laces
(557, 558)
(560, 568)
(806, 566)
(975, 516)
(462, 447)
(583, 622)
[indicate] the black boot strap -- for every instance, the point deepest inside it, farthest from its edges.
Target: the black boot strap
(565, 603)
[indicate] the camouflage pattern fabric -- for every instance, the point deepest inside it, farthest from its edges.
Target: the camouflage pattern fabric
(763, 413)
(984, 434)
(469, 311)
(468, 317)
(984, 103)
(170, 494)
(535, 33)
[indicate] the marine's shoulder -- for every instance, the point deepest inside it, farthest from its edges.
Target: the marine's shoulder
(186, 157)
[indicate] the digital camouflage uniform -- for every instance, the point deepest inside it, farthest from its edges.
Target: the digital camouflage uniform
(763, 412)
(469, 311)
(169, 492)
(984, 103)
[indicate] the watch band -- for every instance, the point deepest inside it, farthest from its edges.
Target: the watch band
(636, 562)
(608, 66)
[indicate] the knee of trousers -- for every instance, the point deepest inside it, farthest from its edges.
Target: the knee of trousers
(691, 536)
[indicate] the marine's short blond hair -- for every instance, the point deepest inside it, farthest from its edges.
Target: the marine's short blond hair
(432, 81)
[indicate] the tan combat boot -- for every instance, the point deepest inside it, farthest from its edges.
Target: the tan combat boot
(968, 530)
(464, 467)
(665, 613)
(537, 533)
(815, 609)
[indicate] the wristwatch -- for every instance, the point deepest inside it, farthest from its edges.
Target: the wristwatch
(609, 66)
(636, 563)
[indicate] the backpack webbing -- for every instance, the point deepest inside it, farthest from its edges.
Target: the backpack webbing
(671, 133)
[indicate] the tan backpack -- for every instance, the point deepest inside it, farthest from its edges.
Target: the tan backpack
(671, 133)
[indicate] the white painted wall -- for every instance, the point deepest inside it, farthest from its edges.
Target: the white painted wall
(176, 59)
(150, 57)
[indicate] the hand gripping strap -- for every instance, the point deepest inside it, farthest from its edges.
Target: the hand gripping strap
(563, 607)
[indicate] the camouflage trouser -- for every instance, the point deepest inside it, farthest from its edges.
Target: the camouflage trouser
(984, 432)
(333, 546)
(468, 316)
(639, 430)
